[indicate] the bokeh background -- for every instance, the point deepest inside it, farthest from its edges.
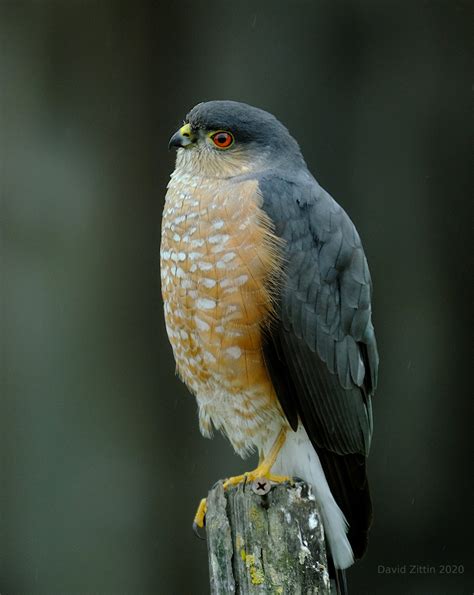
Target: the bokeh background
(102, 463)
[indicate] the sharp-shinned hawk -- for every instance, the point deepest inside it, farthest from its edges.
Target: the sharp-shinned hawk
(267, 299)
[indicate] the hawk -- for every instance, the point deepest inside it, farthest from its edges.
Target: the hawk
(267, 302)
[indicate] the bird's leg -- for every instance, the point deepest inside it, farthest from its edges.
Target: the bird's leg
(263, 470)
(264, 467)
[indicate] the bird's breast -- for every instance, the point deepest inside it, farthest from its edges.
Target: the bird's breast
(219, 262)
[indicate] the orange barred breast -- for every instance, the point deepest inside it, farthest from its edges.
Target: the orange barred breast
(219, 262)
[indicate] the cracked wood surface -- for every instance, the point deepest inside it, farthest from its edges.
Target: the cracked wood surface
(266, 544)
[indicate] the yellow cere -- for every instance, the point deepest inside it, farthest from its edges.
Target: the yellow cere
(185, 130)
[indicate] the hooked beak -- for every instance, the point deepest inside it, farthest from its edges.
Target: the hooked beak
(182, 138)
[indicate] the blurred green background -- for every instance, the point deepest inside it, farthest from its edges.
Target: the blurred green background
(102, 463)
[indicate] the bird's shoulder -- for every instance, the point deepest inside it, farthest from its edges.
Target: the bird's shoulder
(293, 196)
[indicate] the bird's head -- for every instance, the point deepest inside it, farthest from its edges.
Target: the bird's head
(223, 139)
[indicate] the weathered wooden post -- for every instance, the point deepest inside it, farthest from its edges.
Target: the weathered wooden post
(270, 543)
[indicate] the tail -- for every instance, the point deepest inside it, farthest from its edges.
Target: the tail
(341, 582)
(347, 479)
(298, 458)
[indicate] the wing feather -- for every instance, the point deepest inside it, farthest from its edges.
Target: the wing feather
(320, 349)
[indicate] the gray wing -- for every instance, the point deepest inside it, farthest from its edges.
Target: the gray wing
(321, 351)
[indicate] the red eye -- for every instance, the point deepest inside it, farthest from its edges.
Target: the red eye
(223, 140)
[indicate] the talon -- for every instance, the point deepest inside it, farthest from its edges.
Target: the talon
(197, 531)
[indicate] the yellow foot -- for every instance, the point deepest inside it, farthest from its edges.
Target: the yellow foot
(258, 473)
(264, 466)
(263, 471)
(250, 476)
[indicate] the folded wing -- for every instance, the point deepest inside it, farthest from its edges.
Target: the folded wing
(320, 349)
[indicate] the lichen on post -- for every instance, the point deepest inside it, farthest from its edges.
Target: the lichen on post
(266, 544)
